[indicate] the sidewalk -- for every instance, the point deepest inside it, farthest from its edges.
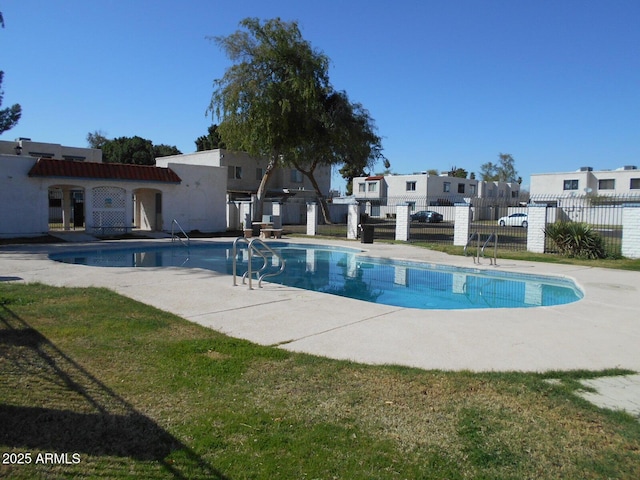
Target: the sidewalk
(601, 331)
(615, 393)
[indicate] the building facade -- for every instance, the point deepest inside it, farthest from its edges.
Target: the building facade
(45, 187)
(586, 181)
(244, 174)
(424, 191)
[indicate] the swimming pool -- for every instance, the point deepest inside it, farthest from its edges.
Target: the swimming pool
(346, 272)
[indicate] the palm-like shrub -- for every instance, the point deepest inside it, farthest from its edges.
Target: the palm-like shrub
(576, 240)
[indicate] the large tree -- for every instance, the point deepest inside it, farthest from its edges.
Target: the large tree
(344, 133)
(96, 139)
(9, 117)
(268, 99)
(503, 171)
(211, 141)
(458, 172)
(133, 150)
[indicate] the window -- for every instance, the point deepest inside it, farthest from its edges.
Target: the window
(361, 187)
(446, 187)
(472, 189)
(607, 184)
(635, 184)
(296, 176)
(372, 187)
(570, 185)
(235, 172)
(411, 186)
(259, 173)
(515, 194)
(461, 188)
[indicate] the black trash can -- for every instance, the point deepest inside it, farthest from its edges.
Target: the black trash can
(366, 233)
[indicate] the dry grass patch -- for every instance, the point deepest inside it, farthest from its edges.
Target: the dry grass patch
(468, 419)
(142, 393)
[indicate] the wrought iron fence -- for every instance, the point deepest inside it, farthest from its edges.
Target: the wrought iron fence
(75, 210)
(505, 217)
(602, 213)
(439, 228)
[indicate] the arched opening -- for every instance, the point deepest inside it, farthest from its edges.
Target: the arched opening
(66, 207)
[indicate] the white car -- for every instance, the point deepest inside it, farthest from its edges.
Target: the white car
(514, 220)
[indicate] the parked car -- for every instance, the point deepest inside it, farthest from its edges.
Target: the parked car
(514, 220)
(426, 216)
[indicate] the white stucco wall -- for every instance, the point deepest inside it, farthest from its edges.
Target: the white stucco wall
(397, 185)
(432, 188)
(24, 207)
(631, 232)
(552, 184)
(51, 150)
(200, 201)
(249, 181)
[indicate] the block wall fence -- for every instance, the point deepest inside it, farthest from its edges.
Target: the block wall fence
(535, 231)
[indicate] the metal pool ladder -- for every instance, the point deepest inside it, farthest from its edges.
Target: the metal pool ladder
(474, 235)
(175, 236)
(480, 251)
(492, 260)
(255, 246)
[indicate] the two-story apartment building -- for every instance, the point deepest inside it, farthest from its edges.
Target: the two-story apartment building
(29, 148)
(421, 191)
(622, 182)
(244, 174)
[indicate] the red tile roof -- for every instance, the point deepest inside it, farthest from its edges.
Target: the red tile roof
(376, 177)
(48, 167)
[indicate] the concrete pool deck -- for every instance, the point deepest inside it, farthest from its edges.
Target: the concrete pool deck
(600, 331)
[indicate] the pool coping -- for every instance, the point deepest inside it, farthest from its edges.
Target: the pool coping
(598, 332)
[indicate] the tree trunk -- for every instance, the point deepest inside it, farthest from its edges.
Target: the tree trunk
(324, 208)
(260, 194)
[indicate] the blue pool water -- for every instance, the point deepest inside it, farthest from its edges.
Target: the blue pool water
(344, 272)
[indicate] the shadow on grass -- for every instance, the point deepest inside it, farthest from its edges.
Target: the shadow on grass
(48, 402)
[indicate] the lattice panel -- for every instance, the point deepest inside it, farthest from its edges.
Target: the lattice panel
(109, 209)
(108, 198)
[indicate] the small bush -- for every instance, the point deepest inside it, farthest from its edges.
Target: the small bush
(576, 240)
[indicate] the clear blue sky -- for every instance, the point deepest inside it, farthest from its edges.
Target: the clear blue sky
(555, 83)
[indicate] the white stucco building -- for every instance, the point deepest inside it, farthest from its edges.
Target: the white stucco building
(244, 174)
(44, 184)
(422, 191)
(624, 181)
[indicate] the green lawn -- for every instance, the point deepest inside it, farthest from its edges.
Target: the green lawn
(615, 263)
(139, 393)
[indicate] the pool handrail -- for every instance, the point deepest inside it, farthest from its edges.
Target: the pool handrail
(174, 236)
(492, 260)
(252, 248)
(475, 235)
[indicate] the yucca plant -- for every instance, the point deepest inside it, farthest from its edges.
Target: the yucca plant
(576, 240)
